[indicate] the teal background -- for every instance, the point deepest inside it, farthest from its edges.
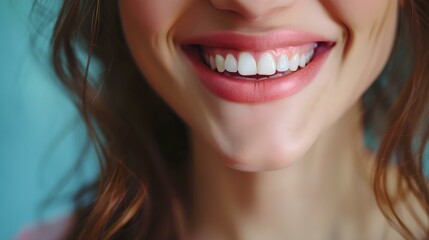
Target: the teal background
(41, 134)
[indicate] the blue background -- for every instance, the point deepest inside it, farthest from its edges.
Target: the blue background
(41, 134)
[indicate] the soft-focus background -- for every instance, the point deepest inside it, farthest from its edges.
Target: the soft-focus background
(41, 135)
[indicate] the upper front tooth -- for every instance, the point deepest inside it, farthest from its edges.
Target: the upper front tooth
(294, 62)
(246, 64)
(302, 61)
(220, 63)
(282, 63)
(266, 64)
(230, 63)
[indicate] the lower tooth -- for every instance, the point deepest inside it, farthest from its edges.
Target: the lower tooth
(246, 78)
(277, 75)
(257, 79)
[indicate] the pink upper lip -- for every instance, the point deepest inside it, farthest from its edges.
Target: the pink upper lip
(255, 42)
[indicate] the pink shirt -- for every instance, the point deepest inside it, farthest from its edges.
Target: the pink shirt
(53, 230)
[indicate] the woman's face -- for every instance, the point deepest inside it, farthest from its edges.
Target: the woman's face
(259, 81)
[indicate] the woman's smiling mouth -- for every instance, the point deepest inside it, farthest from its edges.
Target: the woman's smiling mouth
(258, 65)
(255, 69)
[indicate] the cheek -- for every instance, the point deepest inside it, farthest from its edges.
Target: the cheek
(370, 33)
(358, 13)
(147, 25)
(151, 15)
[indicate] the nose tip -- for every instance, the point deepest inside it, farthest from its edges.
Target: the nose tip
(251, 10)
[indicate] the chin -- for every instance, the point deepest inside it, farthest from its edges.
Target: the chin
(261, 159)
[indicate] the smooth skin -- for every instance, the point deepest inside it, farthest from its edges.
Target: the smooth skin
(294, 168)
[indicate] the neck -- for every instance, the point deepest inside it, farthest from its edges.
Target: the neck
(312, 194)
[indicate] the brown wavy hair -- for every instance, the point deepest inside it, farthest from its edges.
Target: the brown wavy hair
(142, 145)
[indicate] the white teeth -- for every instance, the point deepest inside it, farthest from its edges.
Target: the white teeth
(282, 63)
(277, 75)
(230, 63)
(307, 58)
(294, 62)
(220, 63)
(310, 55)
(246, 64)
(302, 61)
(266, 64)
(212, 63)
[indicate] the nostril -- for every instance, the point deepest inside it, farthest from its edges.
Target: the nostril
(251, 10)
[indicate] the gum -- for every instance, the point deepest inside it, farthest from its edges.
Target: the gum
(289, 51)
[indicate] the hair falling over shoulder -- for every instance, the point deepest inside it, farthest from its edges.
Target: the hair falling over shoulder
(141, 191)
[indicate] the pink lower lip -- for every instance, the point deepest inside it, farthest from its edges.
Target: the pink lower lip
(247, 91)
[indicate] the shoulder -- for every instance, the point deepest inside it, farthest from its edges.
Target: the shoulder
(51, 230)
